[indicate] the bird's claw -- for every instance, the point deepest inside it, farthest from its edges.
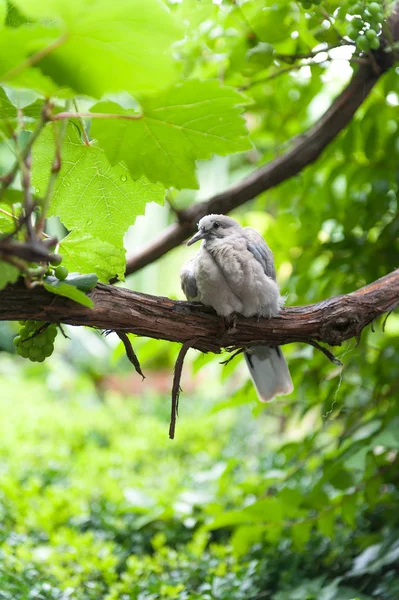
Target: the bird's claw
(230, 323)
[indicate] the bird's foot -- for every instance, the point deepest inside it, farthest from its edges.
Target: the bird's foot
(230, 323)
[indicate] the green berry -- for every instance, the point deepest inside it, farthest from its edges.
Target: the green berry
(16, 340)
(374, 8)
(55, 259)
(357, 9)
(35, 353)
(357, 23)
(352, 32)
(362, 43)
(374, 43)
(61, 272)
(52, 333)
(40, 340)
(371, 34)
(22, 351)
(47, 349)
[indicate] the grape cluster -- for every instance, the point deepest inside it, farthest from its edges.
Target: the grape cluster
(35, 347)
(366, 25)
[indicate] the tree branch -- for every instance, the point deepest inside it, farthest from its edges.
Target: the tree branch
(331, 321)
(304, 150)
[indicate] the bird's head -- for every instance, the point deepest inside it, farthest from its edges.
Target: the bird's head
(214, 227)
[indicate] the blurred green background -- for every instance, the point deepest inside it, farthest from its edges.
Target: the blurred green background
(294, 500)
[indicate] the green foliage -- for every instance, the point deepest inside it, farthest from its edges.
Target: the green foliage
(91, 195)
(102, 33)
(86, 254)
(187, 122)
(97, 502)
(296, 500)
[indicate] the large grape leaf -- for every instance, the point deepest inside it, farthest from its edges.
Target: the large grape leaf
(90, 194)
(190, 121)
(85, 254)
(109, 45)
(16, 46)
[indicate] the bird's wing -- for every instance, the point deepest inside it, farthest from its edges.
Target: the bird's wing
(188, 281)
(260, 251)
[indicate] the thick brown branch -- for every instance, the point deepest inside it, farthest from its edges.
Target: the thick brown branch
(304, 150)
(331, 321)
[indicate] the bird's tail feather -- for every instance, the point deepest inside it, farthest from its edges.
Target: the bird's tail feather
(269, 372)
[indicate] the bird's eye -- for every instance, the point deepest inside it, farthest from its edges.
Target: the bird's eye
(216, 225)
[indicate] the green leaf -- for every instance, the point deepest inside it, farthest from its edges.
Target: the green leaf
(83, 253)
(388, 437)
(7, 223)
(272, 21)
(90, 194)
(190, 121)
(60, 288)
(9, 116)
(349, 509)
(301, 533)
(264, 511)
(8, 274)
(244, 537)
(109, 46)
(3, 11)
(325, 523)
(16, 46)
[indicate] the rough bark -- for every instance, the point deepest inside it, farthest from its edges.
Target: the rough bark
(304, 150)
(331, 321)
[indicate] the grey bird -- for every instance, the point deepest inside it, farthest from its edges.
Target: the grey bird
(234, 272)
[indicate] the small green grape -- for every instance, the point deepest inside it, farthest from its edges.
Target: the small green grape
(371, 34)
(352, 32)
(357, 9)
(40, 346)
(52, 333)
(47, 349)
(375, 43)
(357, 23)
(55, 259)
(35, 353)
(22, 351)
(61, 272)
(374, 8)
(40, 340)
(362, 43)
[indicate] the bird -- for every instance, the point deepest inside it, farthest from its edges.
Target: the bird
(234, 273)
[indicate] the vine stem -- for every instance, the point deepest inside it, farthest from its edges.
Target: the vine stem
(82, 123)
(92, 115)
(9, 177)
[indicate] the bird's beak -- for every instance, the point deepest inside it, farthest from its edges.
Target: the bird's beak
(198, 236)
